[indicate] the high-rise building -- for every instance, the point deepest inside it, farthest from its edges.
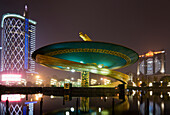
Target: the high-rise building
(18, 44)
(151, 63)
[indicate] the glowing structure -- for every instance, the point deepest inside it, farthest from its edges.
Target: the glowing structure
(87, 56)
(151, 63)
(11, 97)
(84, 36)
(85, 79)
(18, 44)
(11, 77)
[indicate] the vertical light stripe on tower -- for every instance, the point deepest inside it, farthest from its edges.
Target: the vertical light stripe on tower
(26, 44)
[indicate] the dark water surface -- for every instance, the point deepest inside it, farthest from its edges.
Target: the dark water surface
(134, 103)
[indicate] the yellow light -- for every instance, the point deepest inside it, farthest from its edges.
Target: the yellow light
(168, 93)
(100, 66)
(161, 96)
(162, 106)
(133, 92)
(40, 95)
(149, 54)
(84, 37)
(158, 52)
(134, 85)
(37, 76)
(37, 96)
(150, 84)
(72, 78)
(141, 55)
(51, 96)
(151, 93)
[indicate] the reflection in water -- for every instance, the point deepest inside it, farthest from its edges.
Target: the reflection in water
(41, 106)
(84, 104)
(27, 105)
(17, 104)
(153, 108)
(122, 105)
(151, 92)
(162, 107)
(38, 96)
(138, 105)
(151, 103)
(137, 102)
(12, 97)
(30, 107)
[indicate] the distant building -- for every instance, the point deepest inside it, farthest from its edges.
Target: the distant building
(18, 44)
(151, 63)
(151, 67)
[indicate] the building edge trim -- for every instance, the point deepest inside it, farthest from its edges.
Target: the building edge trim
(15, 15)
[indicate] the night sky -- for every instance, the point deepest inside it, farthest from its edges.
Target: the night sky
(141, 25)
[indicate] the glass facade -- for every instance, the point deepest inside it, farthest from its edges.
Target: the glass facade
(152, 64)
(149, 66)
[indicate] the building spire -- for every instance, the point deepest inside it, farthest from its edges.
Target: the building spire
(26, 10)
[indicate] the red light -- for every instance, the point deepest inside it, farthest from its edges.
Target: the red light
(11, 77)
(11, 97)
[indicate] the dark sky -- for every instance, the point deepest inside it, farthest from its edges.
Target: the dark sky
(141, 25)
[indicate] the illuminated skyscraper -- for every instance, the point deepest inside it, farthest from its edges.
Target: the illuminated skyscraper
(18, 43)
(151, 63)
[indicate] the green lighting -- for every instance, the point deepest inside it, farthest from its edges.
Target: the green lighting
(90, 56)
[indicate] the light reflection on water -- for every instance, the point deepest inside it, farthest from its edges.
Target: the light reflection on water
(134, 102)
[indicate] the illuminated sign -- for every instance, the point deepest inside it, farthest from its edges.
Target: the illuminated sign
(11, 97)
(150, 53)
(11, 77)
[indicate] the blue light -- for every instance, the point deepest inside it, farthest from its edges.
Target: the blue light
(26, 44)
(30, 102)
(24, 110)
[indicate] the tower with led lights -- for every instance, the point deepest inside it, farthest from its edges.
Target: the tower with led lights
(18, 44)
